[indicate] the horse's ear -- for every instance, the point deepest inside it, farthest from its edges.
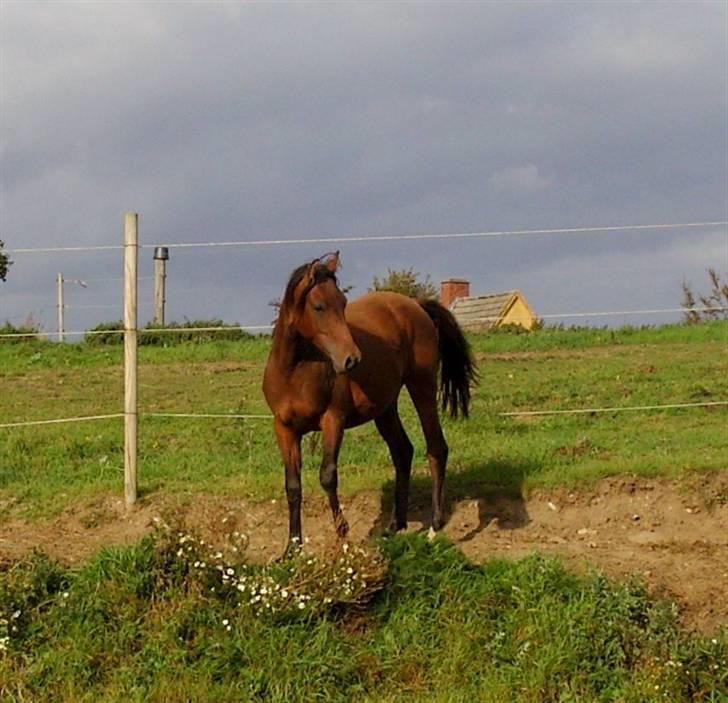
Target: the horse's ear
(311, 273)
(333, 263)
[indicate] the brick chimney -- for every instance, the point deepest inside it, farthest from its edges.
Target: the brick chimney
(453, 288)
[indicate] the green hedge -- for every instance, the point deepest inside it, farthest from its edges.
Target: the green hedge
(107, 333)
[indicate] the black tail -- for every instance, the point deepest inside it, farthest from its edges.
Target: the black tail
(457, 367)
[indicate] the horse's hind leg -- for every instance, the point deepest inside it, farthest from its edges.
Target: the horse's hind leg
(423, 390)
(401, 451)
(332, 428)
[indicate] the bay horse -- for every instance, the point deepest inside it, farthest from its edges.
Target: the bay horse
(333, 366)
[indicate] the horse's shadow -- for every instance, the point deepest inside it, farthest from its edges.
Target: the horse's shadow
(496, 487)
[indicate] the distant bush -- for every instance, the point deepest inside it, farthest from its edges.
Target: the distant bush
(105, 333)
(152, 334)
(188, 331)
(407, 282)
(5, 262)
(9, 329)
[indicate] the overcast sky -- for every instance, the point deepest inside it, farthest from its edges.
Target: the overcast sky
(240, 121)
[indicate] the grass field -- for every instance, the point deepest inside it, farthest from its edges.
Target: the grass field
(397, 620)
(44, 468)
(155, 623)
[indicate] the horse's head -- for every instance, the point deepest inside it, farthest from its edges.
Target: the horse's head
(315, 309)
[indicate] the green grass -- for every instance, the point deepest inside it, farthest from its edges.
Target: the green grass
(144, 624)
(43, 469)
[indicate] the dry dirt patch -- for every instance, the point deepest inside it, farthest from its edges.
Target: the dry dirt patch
(675, 536)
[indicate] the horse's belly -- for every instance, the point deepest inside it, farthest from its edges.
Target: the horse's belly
(369, 400)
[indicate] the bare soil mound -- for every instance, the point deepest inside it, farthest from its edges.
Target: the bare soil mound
(674, 536)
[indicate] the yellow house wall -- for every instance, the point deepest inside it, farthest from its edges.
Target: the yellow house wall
(518, 314)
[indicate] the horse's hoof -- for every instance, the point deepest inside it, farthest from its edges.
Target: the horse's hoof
(342, 527)
(293, 549)
(438, 522)
(395, 526)
(431, 534)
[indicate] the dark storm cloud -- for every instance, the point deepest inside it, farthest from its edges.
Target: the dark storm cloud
(248, 121)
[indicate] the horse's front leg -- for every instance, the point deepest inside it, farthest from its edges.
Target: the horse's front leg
(289, 442)
(332, 428)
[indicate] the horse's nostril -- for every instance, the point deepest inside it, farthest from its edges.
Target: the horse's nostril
(351, 363)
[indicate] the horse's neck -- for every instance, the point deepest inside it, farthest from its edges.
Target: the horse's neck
(283, 350)
(298, 380)
(289, 350)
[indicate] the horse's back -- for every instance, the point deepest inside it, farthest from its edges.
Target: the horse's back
(390, 321)
(398, 342)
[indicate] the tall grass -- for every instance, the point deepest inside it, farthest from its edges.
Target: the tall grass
(141, 624)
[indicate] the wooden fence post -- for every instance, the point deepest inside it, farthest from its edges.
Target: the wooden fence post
(61, 308)
(131, 258)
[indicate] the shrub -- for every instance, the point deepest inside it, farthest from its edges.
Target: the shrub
(28, 328)
(406, 281)
(5, 262)
(152, 334)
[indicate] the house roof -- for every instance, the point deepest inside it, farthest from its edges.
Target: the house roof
(484, 311)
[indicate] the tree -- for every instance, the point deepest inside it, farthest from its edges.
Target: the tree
(716, 300)
(4, 262)
(406, 281)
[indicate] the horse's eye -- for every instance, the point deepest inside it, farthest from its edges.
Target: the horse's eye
(318, 307)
